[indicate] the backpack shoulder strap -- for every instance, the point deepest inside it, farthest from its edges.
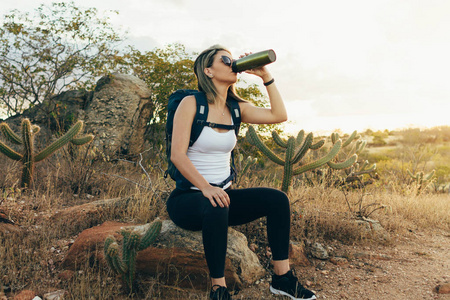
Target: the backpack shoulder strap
(200, 116)
(235, 113)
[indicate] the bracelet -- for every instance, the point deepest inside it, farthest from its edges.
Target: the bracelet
(269, 82)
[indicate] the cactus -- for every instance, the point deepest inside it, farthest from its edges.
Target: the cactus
(421, 179)
(28, 157)
(296, 149)
(352, 171)
(124, 262)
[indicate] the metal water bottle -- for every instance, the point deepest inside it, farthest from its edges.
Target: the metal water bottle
(254, 60)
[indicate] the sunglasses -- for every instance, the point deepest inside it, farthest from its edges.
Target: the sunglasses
(226, 60)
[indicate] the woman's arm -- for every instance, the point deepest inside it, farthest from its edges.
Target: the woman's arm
(259, 115)
(182, 123)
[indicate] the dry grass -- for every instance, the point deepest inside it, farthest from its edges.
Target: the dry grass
(30, 259)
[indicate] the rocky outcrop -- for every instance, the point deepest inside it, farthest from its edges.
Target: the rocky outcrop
(177, 256)
(116, 112)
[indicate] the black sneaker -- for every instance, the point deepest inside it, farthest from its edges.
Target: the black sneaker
(221, 293)
(288, 285)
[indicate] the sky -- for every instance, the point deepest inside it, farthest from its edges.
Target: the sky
(348, 64)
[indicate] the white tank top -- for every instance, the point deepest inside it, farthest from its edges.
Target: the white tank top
(211, 154)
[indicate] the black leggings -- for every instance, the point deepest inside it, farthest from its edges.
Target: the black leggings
(192, 211)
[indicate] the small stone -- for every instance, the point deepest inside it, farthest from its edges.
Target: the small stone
(66, 275)
(308, 283)
(25, 295)
(321, 265)
(297, 255)
(318, 251)
(56, 295)
(339, 261)
(443, 288)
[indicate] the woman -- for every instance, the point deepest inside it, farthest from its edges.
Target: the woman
(211, 208)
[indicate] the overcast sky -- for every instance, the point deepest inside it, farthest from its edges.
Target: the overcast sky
(345, 64)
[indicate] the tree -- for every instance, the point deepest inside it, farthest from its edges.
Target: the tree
(165, 70)
(59, 47)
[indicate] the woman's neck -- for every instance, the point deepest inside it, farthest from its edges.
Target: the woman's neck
(222, 93)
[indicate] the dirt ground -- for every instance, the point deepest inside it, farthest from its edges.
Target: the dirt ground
(409, 269)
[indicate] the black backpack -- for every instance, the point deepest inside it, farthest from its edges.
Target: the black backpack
(197, 126)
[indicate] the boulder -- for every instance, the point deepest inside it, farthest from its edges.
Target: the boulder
(176, 257)
(118, 114)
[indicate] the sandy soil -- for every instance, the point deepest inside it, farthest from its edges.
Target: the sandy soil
(409, 269)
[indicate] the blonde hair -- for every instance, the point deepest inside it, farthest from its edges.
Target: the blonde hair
(205, 84)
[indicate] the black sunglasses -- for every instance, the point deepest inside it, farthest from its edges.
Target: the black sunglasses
(226, 60)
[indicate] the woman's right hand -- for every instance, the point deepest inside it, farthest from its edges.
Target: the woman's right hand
(216, 195)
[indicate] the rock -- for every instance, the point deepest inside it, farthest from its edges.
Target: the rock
(339, 261)
(297, 255)
(56, 295)
(25, 295)
(373, 228)
(66, 275)
(118, 114)
(318, 251)
(322, 265)
(176, 257)
(443, 288)
(6, 225)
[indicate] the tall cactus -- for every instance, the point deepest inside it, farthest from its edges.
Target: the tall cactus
(29, 157)
(296, 149)
(124, 262)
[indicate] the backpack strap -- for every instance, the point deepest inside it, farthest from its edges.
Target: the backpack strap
(200, 117)
(215, 125)
(235, 114)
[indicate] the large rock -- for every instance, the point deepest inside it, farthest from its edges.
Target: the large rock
(176, 257)
(118, 114)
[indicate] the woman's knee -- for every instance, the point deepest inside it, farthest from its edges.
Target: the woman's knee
(217, 213)
(278, 198)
